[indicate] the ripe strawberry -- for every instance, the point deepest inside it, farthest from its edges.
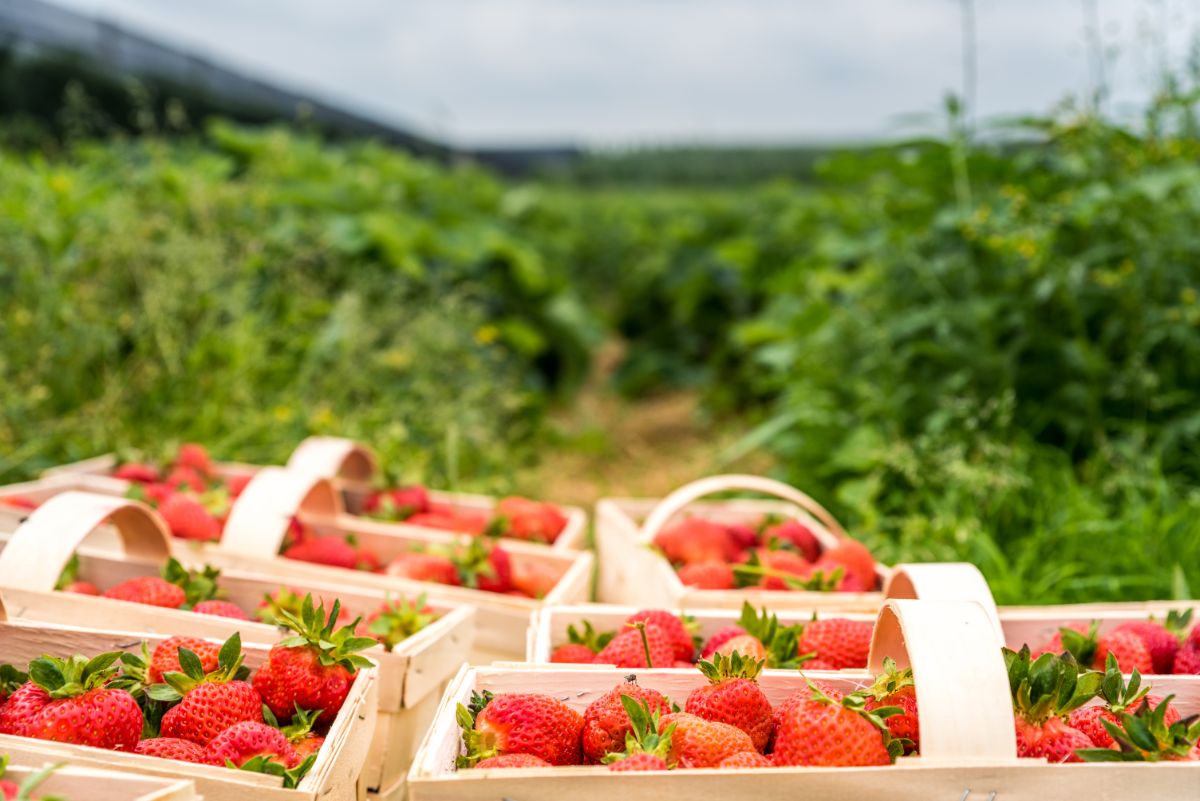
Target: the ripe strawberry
(396, 620)
(817, 664)
(747, 645)
(208, 703)
(1117, 697)
(837, 641)
(235, 484)
(639, 762)
(520, 723)
(1045, 691)
(693, 540)
(137, 472)
(746, 759)
(1151, 733)
(449, 518)
(149, 590)
(189, 520)
(21, 708)
(824, 731)
(314, 668)
(700, 743)
(648, 741)
(525, 519)
(706, 576)
(287, 599)
(244, 741)
(743, 535)
(82, 588)
(781, 570)
(19, 502)
(573, 654)
(11, 680)
(173, 748)
(299, 733)
(220, 609)
(1187, 661)
(154, 493)
(366, 559)
(534, 579)
(794, 534)
(184, 479)
(675, 627)
(421, 566)
(1128, 648)
(606, 723)
(484, 565)
(894, 688)
(1161, 639)
(719, 638)
(857, 561)
(733, 696)
(165, 658)
(400, 503)
(581, 647)
(639, 646)
(194, 457)
(79, 708)
(333, 551)
(512, 761)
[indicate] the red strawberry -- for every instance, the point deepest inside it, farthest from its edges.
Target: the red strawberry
(80, 708)
(573, 653)
(189, 520)
(632, 647)
(673, 626)
(367, 559)
(639, 762)
(244, 741)
(448, 518)
(397, 504)
(775, 570)
(235, 484)
(220, 609)
(742, 535)
(165, 658)
(156, 493)
(82, 588)
(837, 641)
(693, 540)
(396, 620)
(314, 668)
(895, 688)
(800, 697)
(606, 722)
(534, 579)
(647, 742)
(194, 457)
(857, 561)
(173, 748)
(208, 703)
(822, 731)
(719, 638)
(21, 708)
(1187, 661)
(149, 590)
(700, 743)
(137, 472)
(733, 696)
(1128, 648)
(746, 759)
(512, 761)
(19, 502)
(795, 534)
(333, 551)
(525, 519)
(485, 566)
(1161, 639)
(707, 576)
(1044, 691)
(520, 723)
(184, 479)
(421, 566)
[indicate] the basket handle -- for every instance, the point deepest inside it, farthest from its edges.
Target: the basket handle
(333, 457)
(259, 519)
(944, 581)
(678, 500)
(41, 546)
(963, 696)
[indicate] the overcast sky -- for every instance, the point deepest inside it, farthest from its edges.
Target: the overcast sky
(625, 71)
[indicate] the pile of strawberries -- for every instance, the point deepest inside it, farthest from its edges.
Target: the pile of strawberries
(515, 517)
(1147, 646)
(771, 554)
(389, 624)
(726, 723)
(1065, 715)
(175, 588)
(193, 701)
(658, 638)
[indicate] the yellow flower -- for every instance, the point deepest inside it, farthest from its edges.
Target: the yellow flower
(1027, 248)
(1188, 295)
(487, 334)
(282, 413)
(60, 183)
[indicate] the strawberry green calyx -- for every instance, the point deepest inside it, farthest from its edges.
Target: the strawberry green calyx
(179, 684)
(69, 678)
(478, 745)
(781, 642)
(274, 605)
(264, 764)
(753, 570)
(734, 666)
(877, 717)
(197, 585)
(643, 737)
(1146, 737)
(315, 629)
(1081, 645)
(400, 620)
(471, 562)
(1118, 695)
(891, 681)
(301, 725)
(11, 679)
(589, 637)
(497, 527)
(1049, 686)
(1177, 623)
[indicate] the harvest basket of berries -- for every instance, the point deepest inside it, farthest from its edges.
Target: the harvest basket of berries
(933, 717)
(421, 641)
(779, 553)
(42, 779)
(289, 721)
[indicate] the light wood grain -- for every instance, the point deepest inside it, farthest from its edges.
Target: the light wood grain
(82, 784)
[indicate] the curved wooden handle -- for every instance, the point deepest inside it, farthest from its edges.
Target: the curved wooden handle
(333, 457)
(944, 581)
(963, 697)
(259, 520)
(675, 503)
(3, 611)
(41, 546)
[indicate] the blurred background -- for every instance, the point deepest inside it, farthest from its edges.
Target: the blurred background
(933, 261)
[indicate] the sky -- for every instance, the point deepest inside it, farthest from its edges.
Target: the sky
(621, 72)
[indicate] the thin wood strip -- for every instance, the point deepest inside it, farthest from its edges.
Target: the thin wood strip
(260, 518)
(333, 457)
(944, 581)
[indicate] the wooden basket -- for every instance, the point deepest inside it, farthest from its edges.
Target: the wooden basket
(82, 784)
(351, 465)
(633, 573)
(967, 738)
(411, 677)
(335, 776)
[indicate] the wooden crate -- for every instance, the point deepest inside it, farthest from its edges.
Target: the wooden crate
(352, 466)
(80, 784)
(411, 677)
(335, 776)
(967, 739)
(632, 573)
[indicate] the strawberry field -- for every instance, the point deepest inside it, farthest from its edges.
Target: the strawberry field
(966, 352)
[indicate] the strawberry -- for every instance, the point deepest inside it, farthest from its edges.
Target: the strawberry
(747, 645)
(647, 742)
(78, 707)
(519, 723)
(421, 566)
(1187, 661)
(825, 731)
(639, 762)
(1117, 696)
(367, 559)
(693, 540)
(220, 609)
(287, 599)
(82, 588)
(184, 479)
(397, 620)
(244, 741)
(678, 629)
(764, 637)
(235, 484)
(137, 472)
(793, 534)
(173, 748)
(719, 638)
(194, 457)
(837, 641)
(333, 551)
(1150, 734)
(397, 504)
(534, 579)
(149, 590)
(639, 646)
(189, 520)
(448, 518)
(1160, 639)
(68, 579)
(1091, 649)
(11, 680)
(155, 493)
(299, 733)
(733, 696)
(19, 502)
(207, 703)
(706, 575)
(895, 688)
(606, 724)
(21, 708)
(314, 668)
(165, 658)
(525, 519)
(484, 566)
(700, 743)
(573, 654)
(743, 535)
(1045, 690)
(512, 761)
(784, 570)
(857, 561)
(581, 647)
(746, 759)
